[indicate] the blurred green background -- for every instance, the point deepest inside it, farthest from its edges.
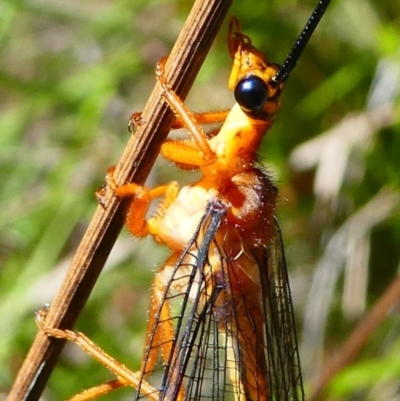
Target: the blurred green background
(71, 73)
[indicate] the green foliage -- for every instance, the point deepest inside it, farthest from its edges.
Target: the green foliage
(71, 74)
(378, 377)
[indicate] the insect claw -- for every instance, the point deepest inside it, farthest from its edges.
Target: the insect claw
(110, 179)
(40, 317)
(134, 122)
(160, 74)
(41, 314)
(159, 70)
(100, 196)
(160, 67)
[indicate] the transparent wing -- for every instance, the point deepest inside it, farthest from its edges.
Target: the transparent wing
(281, 338)
(232, 332)
(191, 358)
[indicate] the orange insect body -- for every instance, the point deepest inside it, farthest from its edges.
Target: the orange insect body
(220, 317)
(230, 177)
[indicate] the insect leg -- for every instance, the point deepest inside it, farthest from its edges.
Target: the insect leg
(160, 329)
(98, 391)
(203, 155)
(209, 117)
(140, 202)
(160, 333)
(126, 377)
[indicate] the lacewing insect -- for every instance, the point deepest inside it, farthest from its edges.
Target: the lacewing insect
(221, 323)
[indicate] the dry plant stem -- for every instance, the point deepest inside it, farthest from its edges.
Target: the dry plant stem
(350, 349)
(181, 69)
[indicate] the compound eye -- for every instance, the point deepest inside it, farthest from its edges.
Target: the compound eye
(251, 93)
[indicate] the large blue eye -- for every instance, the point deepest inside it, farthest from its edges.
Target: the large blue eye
(251, 93)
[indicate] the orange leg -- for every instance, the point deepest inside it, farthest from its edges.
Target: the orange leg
(126, 377)
(158, 336)
(159, 340)
(160, 328)
(184, 153)
(211, 117)
(98, 391)
(140, 202)
(188, 120)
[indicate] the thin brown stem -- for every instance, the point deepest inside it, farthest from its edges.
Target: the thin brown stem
(354, 344)
(143, 147)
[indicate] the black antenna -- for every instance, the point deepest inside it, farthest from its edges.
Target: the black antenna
(293, 57)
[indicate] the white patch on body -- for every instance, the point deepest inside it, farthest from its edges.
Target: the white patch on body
(184, 214)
